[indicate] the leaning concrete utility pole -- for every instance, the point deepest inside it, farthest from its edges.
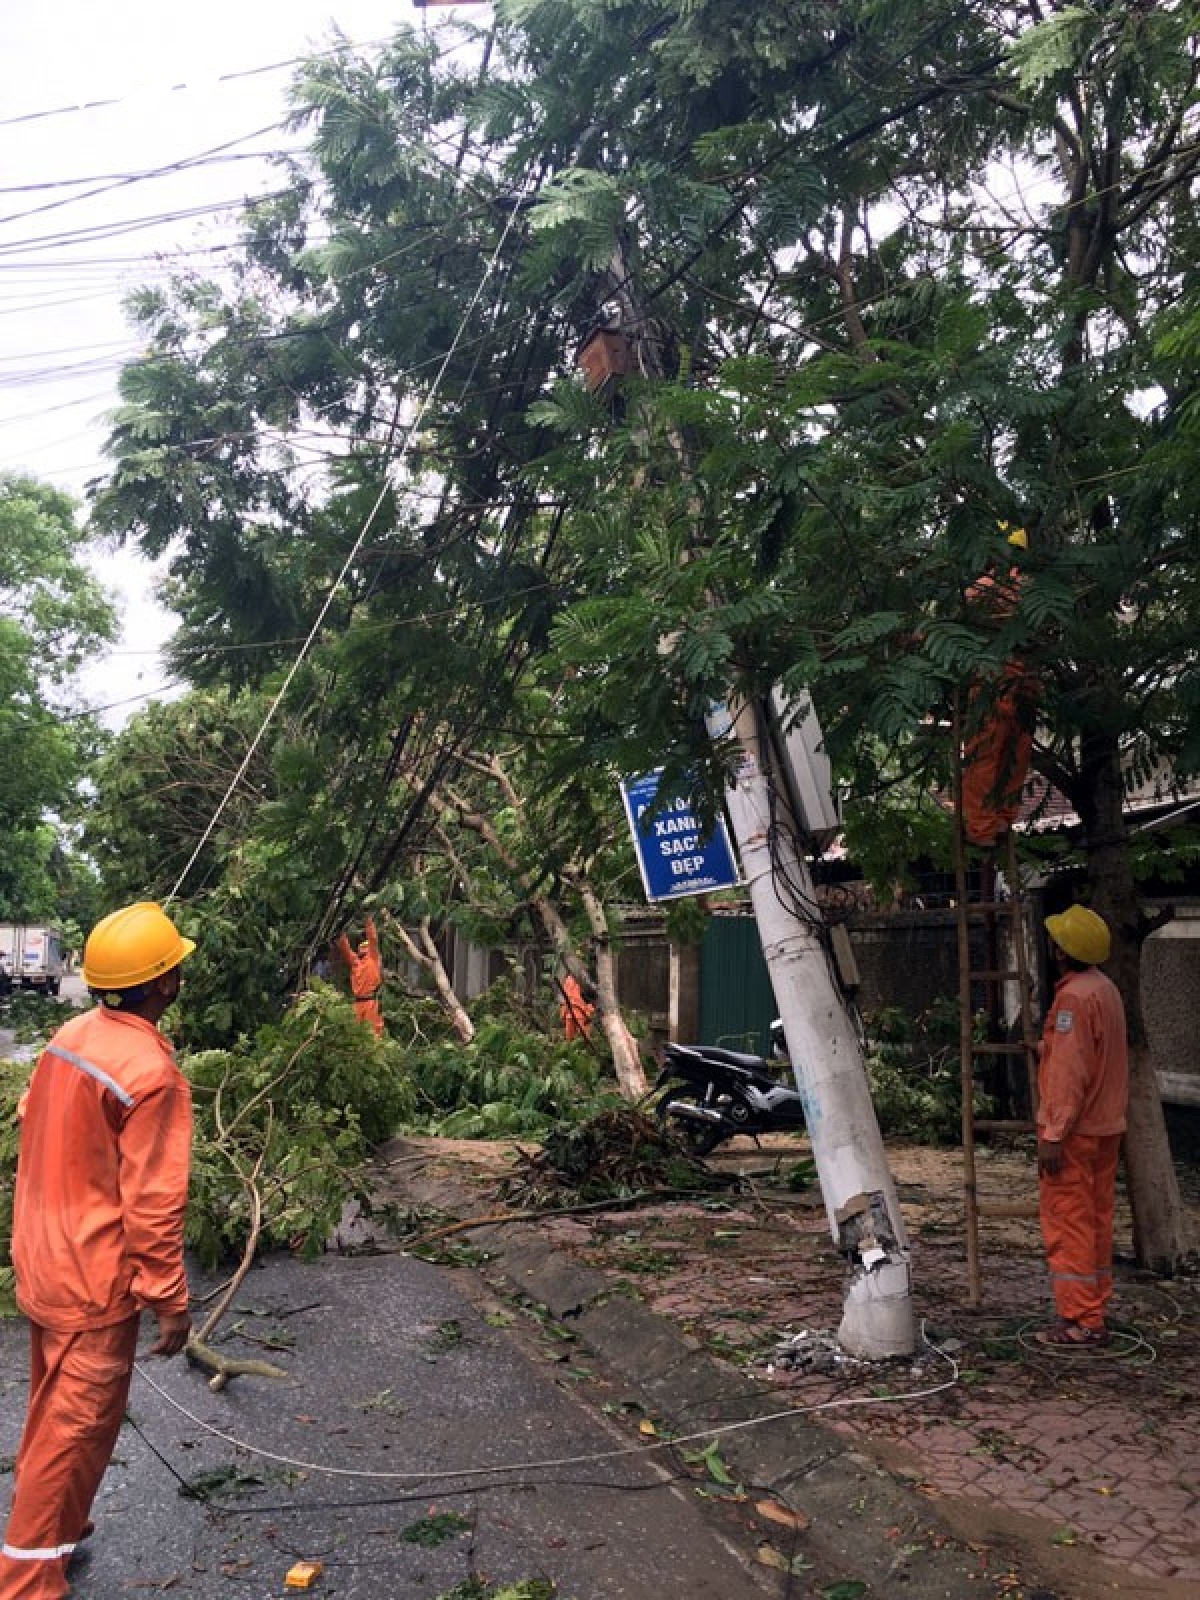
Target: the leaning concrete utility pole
(824, 1048)
(823, 1044)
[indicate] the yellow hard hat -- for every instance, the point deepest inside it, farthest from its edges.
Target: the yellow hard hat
(131, 946)
(1016, 536)
(1081, 934)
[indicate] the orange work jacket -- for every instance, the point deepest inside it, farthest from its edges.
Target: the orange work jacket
(102, 1176)
(366, 972)
(999, 743)
(1083, 1075)
(575, 1011)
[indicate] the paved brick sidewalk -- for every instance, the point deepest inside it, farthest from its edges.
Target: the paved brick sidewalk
(1101, 1447)
(1078, 1455)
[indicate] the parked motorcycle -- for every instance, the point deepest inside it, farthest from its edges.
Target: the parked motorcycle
(709, 1095)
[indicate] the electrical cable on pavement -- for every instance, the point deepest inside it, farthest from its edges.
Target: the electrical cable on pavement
(718, 1431)
(184, 1486)
(420, 1496)
(1124, 1345)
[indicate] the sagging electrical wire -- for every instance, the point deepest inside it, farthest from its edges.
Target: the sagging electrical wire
(114, 230)
(368, 523)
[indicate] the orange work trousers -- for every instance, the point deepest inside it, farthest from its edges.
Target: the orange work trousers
(368, 1011)
(78, 1388)
(996, 761)
(1077, 1226)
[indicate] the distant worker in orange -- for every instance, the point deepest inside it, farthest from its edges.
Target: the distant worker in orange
(576, 1011)
(1000, 720)
(98, 1215)
(366, 978)
(1083, 1089)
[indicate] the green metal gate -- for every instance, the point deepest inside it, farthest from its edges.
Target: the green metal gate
(737, 1003)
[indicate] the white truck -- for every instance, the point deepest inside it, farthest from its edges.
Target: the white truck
(30, 958)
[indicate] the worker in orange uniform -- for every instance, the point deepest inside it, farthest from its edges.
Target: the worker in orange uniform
(1083, 1088)
(1000, 717)
(576, 1011)
(366, 976)
(98, 1214)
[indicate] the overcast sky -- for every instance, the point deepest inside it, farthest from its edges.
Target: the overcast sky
(94, 92)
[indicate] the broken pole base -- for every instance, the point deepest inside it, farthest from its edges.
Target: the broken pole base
(877, 1313)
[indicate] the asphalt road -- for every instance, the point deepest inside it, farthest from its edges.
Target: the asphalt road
(73, 992)
(407, 1398)
(73, 989)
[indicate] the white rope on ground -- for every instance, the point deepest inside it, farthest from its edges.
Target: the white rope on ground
(704, 1435)
(1124, 1344)
(389, 455)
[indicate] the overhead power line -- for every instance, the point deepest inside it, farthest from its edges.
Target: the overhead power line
(71, 350)
(222, 153)
(147, 261)
(108, 102)
(114, 230)
(49, 185)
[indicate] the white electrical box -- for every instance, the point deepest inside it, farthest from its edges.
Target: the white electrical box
(810, 774)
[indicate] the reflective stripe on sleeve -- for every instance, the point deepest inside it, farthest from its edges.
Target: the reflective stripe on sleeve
(93, 1071)
(51, 1553)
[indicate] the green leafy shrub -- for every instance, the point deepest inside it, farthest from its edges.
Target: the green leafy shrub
(286, 1121)
(507, 1081)
(33, 1017)
(290, 1115)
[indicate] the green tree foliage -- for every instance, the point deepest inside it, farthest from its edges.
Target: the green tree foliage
(260, 881)
(870, 360)
(889, 276)
(52, 616)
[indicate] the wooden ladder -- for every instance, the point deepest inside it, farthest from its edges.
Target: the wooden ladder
(992, 952)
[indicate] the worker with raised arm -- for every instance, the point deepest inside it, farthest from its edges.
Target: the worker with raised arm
(1083, 1089)
(575, 1009)
(366, 976)
(98, 1226)
(1000, 718)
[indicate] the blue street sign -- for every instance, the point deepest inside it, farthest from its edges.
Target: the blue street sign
(674, 854)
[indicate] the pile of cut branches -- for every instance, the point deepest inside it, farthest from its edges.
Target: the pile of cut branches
(617, 1155)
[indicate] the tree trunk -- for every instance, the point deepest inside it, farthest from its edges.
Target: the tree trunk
(627, 1058)
(627, 1062)
(1160, 1239)
(425, 953)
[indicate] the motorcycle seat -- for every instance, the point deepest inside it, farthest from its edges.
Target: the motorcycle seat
(712, 1052)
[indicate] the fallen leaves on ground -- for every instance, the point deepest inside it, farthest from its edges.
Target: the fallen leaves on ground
(776, 1511)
